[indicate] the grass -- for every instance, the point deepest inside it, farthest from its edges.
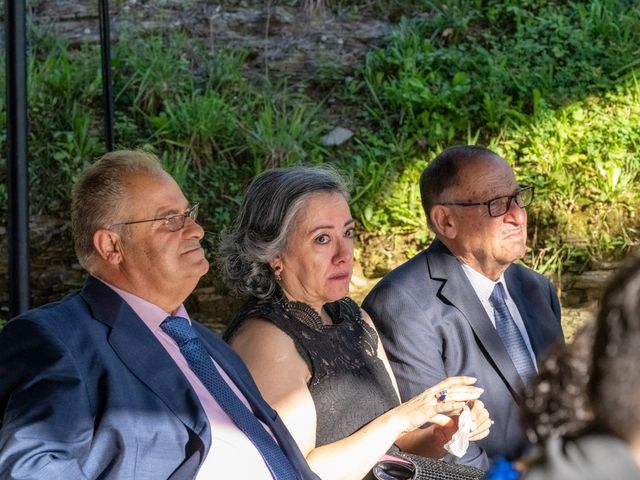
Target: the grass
(551, 85)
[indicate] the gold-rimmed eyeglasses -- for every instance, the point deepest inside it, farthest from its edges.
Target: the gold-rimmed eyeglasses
(173, 223)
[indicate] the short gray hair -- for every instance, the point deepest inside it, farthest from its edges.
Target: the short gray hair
(268, 215)
(99, 195)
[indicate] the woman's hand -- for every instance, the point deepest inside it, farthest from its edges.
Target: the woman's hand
(482, 420)
(445, 398)
(446, 426)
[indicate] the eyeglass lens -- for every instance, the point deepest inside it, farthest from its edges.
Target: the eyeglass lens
(176, 222)
(500, 206)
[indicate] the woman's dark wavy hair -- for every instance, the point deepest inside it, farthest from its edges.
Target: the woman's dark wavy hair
(271, 207)
(593, 383)
(557, 402)
(615, 381)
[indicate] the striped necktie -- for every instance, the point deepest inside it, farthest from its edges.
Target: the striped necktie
(511, 336)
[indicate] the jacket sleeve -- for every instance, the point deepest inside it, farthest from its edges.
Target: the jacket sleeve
(414, 348)
(410, 339)
(45, 417)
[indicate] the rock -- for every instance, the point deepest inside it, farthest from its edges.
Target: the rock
(371, 31)
(574, 297)
(337, 136)
(591, 281)
(281, 16)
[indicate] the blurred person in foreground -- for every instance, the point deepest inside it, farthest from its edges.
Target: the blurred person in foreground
(463, 306)
(313, 352)
(584, 411)
(115, 382)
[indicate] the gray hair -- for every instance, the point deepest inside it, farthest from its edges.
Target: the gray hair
(268, 216)
(99, 195)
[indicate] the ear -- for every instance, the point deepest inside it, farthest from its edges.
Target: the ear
(276, 264)
(108, 246)
(444, 222)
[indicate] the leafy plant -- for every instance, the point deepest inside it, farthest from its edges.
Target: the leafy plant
(550, 85)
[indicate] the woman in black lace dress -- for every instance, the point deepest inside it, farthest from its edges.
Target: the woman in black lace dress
(312, 351)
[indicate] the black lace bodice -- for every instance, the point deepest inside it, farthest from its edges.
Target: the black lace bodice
(349, 383)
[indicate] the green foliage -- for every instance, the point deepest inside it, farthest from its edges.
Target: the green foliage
(491, 67)
(584, 161)
(282, 131)
(549, 84)
(196, 110)
(202, 125)
(64, 89)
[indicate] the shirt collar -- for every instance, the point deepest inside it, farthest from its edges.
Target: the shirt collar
(482, 285)
(151, 314)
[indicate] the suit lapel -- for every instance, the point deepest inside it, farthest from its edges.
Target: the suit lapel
(242, 379)
(457, 290)
(238, 380)
(140, 351)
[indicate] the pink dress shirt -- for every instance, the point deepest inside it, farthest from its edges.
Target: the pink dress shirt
(232, 455)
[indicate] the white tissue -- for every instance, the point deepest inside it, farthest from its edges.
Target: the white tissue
(459, 443)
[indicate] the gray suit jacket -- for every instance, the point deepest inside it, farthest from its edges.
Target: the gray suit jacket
(433, 326)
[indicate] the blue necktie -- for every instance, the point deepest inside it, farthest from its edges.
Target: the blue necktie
(510, 335)
(201, 364)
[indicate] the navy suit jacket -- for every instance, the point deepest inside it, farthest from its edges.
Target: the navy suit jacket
(87, 392)
(433, 326)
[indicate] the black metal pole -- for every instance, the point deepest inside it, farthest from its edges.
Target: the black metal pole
(105, 48)
(17, 172)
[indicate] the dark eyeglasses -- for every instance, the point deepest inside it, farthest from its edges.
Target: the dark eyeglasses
(500, 205)
(173, 223)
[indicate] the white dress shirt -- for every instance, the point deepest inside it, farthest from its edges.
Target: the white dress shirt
(483, 287)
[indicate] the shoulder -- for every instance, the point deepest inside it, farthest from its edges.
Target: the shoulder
(402, 277)
(415, 265)
(434, 263)
(266, 349)
(42, 342)
(529, 281)
(410, 286)
(367, 319)
(55, 319)
(259, 337)
(266, 310)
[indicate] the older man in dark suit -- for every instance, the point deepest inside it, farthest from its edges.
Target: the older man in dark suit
(462, 307)
(116, 382)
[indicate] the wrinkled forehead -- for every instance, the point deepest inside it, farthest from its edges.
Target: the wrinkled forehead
(485, 178)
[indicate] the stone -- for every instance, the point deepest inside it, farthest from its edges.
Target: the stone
(594, 280)
(337, 136)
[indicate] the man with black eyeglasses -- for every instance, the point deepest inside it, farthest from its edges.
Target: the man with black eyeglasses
(462, 306)
(116, 382)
